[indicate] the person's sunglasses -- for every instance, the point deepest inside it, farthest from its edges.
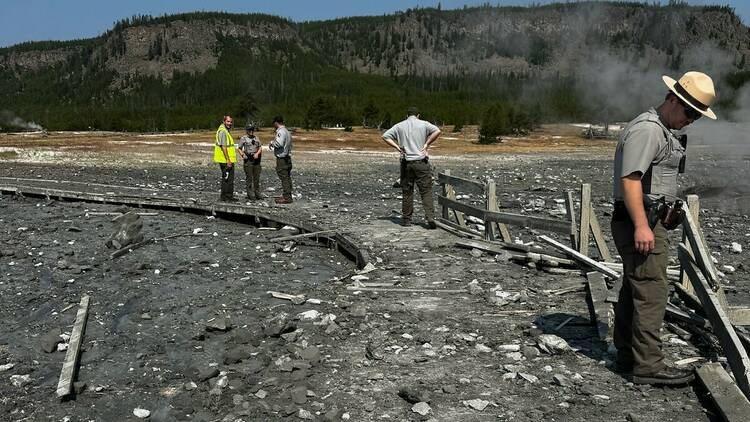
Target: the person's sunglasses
(690, 112)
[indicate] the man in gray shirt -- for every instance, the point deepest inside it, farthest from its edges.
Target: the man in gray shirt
(647, 160)
(282, 149)
(411, 138)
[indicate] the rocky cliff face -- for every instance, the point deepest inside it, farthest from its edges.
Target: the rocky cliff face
(553, 39)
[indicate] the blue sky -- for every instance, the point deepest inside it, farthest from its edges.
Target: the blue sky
(35, 20)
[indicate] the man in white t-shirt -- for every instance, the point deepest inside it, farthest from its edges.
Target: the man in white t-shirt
(411, 138)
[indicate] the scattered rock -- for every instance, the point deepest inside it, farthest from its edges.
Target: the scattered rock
(299, 394)
(736, 247)
(476, 404)
(218, 324)
(310, 315)
(238, 354)
(561, 380)
(422, 408)
(481, 348)
(414, 395)
(20, 380)
(207, 373)
(141, 413)
(305, 414)
(7, 367)
(552, 344)
(449, 389)
(278, 325)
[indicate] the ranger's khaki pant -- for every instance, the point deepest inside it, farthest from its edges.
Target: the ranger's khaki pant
(284, 171)
(252, 179)
(418, 172)
(643, 299)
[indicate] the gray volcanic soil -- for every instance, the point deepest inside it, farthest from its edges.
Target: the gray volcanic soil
(146, 339)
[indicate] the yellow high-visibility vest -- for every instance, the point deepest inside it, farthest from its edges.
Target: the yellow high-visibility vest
(218, 153)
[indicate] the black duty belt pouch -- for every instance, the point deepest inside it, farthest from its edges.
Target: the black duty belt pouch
(670, 214)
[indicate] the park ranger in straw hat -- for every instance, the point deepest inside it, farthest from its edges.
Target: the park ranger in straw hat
(647, 160)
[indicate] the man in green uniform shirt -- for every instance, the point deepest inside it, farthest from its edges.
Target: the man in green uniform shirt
(647, 161)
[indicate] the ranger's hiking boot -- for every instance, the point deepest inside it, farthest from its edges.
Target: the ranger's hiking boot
(405, 222)
(282, 200)
(667, 376)
(259, 195)
(431, 225)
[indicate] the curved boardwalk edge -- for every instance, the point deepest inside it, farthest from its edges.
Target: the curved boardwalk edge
(221, 210)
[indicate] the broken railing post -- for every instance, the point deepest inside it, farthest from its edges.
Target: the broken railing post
(570, 210)
(596, 231)
(583, 238)
(720, 322)
(694, 210)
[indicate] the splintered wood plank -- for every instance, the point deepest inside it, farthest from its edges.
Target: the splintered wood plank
(493, 206)
(733, 406)
(491, 198)
(720, 322)
(463, 185)
(694, 208)
(570, 210)
(581, 258)
(601, 311)
(583, 242)
(70, 364)
(596, 231)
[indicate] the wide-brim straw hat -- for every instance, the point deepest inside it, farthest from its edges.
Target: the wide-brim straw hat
(696, 89)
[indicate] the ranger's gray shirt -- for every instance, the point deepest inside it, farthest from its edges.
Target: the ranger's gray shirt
(249, 145)
(648, 147)
(282, 144)
(411, 135)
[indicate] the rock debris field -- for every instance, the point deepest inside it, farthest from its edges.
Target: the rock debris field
(185, 329)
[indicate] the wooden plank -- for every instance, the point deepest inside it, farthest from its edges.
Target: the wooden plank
(733, 406)
(539, 223)
(596, 231)
(461, 184)
(581, 258)
(491, 198)
(300, 236)
(722, 325)
(739, 315)
(570, 210)
(614, 293)
(446, 187)
(127, 249)
(502, 228)
(693, 204)
(404, 290)
(70, 364)
(456, 229)
(691, 318)
(461, 207)
(697, 245)
(585, 224)
(601, 311)
(450, 194)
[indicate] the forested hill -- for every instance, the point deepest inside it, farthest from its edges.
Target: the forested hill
(587, 60)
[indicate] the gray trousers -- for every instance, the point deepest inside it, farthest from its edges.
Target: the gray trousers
(419, 173)
(284, 171)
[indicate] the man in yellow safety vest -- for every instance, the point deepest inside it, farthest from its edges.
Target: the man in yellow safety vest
(224, 154)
